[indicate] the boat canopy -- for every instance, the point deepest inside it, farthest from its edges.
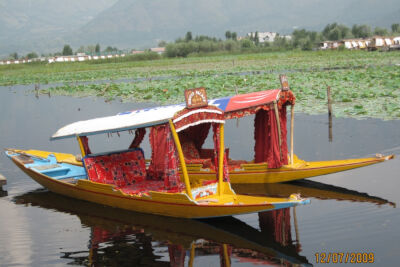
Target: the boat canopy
(234, 107)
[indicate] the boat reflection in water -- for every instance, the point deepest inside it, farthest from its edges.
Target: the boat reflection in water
(308, 188)
(119, 237)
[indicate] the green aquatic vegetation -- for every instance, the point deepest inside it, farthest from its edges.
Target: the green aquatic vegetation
(363, 84)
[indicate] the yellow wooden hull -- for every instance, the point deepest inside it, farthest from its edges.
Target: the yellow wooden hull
(260, 173)
(160, 203)
(257, 173)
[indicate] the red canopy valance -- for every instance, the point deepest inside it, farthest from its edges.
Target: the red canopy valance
(192, 117)
(283, 98)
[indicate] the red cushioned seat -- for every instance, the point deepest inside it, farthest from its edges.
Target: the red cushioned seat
(120, 169)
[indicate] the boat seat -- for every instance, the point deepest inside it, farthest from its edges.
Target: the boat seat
(118, 168)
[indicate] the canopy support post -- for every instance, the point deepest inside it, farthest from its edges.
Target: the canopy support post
(279, 127)
(81, 146)
(181, 159)
(291, 133)
(221, 159)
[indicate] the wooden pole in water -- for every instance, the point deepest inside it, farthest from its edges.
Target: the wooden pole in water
(291, 133)
(279, 127)
(328, 92)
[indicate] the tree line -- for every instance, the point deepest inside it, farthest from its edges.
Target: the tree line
(300, 39)
(182, 47)
(68, 51)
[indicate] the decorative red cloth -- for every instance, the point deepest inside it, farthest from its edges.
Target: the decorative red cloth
(285, 98)
(139, 135)
(196, 134)
(284, 147)
(120, 169)
(191, 117)
(85, 143)
(164, 158)
(266, 137)
(189, 150)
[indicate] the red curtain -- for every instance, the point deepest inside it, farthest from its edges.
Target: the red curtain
(284, 147)
(85, 143)
(267, 140)
(139, 135)
(216, 138)
(197, 134)
(164, 157)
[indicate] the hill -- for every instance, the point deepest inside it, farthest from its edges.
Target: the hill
(48, 24)
(131, 23)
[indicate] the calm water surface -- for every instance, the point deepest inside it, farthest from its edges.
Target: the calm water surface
(353, 211)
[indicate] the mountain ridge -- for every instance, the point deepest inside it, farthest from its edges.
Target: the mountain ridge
(139, 24)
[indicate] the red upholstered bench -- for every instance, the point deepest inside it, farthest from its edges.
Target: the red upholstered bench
(118, 168)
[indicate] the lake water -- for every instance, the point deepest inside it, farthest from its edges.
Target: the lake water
(350, 212)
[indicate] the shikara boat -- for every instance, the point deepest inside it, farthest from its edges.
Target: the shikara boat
(123, 179)
(272, 163)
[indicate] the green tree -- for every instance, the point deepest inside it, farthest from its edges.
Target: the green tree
(67, 50)
(234, 36)
(91, 49)
(361, 31)
(110, 49)
(395, 27)
(335, 32)
(188, 37)
(228, 35)
(97, 48)
(246, 44)
(162, 43)
(81, 49)
(256, 39)
(32, 55)
(13, 55)
(380, 31)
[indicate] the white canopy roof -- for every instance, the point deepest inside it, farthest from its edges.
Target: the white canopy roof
(120, 122)
(153, 116)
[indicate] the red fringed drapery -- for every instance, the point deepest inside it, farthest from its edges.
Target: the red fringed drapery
(164, 157)
(216, 138)
(139, 135)
(266, 137)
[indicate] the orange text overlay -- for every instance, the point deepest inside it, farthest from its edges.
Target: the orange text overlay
(344, 257)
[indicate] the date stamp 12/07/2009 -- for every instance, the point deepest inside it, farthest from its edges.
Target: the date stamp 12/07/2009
(344, 257)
